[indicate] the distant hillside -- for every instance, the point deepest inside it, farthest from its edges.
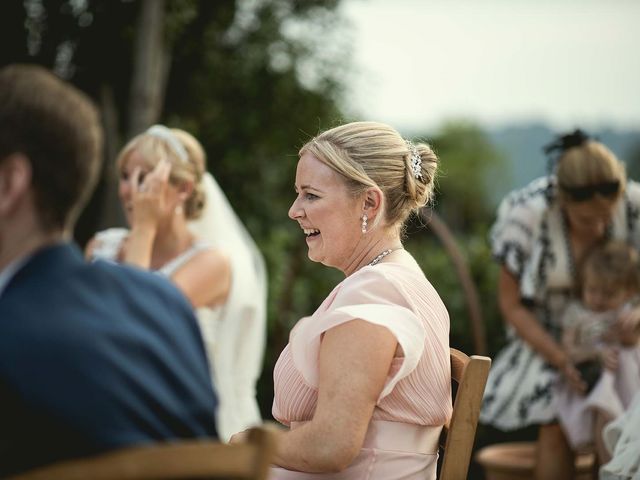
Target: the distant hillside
(522, 146)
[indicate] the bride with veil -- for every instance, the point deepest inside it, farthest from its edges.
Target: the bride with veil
(235, 331)
(183, 227)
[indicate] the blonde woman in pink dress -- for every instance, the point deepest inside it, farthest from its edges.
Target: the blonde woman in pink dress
(364, 383)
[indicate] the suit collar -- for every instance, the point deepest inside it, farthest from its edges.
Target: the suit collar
(49, 258)
(10, 270)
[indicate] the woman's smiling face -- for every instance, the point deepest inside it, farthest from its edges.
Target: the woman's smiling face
(328, 214)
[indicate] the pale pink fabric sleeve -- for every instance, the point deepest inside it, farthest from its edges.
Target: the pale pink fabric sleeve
(370, 296)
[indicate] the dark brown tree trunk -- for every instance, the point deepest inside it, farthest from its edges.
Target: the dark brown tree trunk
(149, 69)
(112, 214)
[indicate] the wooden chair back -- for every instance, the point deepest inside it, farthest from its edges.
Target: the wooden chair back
(470, 373)
(193, 459)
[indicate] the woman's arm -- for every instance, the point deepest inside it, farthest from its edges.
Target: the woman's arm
(530, 330)
(139, 245)
(205, 279)
(148, 199)
(525, 323)
(355, 359)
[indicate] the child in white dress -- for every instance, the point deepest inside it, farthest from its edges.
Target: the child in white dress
(601, 347)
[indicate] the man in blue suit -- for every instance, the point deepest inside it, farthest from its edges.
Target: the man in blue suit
(96, 356)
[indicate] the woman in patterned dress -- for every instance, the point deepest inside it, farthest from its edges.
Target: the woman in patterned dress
(542, 231)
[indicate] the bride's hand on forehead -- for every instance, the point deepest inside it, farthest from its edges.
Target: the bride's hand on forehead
(149, 193)
(154, 181)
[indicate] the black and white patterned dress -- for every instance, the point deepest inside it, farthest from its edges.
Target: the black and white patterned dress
(529, 238)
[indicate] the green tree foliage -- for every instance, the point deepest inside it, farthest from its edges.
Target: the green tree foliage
(438, 268)
(469, 165)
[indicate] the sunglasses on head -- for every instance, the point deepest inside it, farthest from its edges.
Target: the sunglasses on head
(582, 194)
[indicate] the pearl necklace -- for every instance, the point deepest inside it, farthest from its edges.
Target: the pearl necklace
(376, 260)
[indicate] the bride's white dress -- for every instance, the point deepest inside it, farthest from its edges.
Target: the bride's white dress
(234, 334)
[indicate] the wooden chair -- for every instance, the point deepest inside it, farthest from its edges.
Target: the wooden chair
(471, 375)
(517, 460)
(193, 459)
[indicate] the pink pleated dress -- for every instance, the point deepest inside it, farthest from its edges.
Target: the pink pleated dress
(402, 438)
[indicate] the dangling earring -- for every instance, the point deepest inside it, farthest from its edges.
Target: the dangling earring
(364, 223)
(179, 210)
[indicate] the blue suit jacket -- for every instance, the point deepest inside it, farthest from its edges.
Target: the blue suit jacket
(95, 357)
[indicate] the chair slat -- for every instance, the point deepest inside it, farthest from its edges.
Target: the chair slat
(471, 375)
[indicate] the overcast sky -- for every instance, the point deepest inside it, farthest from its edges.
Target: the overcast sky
(563, 62)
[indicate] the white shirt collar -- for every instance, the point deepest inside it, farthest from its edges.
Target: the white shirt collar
(10, 270)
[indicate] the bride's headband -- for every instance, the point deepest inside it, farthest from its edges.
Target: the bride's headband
(160, 131)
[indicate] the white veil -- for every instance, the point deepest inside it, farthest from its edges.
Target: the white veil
(234, 334)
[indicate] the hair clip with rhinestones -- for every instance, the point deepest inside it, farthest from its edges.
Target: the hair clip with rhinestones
(416, 160)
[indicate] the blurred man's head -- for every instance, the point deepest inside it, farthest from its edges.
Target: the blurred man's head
(50, 146)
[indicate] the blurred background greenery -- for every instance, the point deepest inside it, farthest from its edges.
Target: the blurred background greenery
(253, 80)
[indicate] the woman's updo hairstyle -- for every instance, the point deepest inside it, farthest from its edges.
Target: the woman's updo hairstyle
(371, 154)
(580, 161)
(187, 159)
